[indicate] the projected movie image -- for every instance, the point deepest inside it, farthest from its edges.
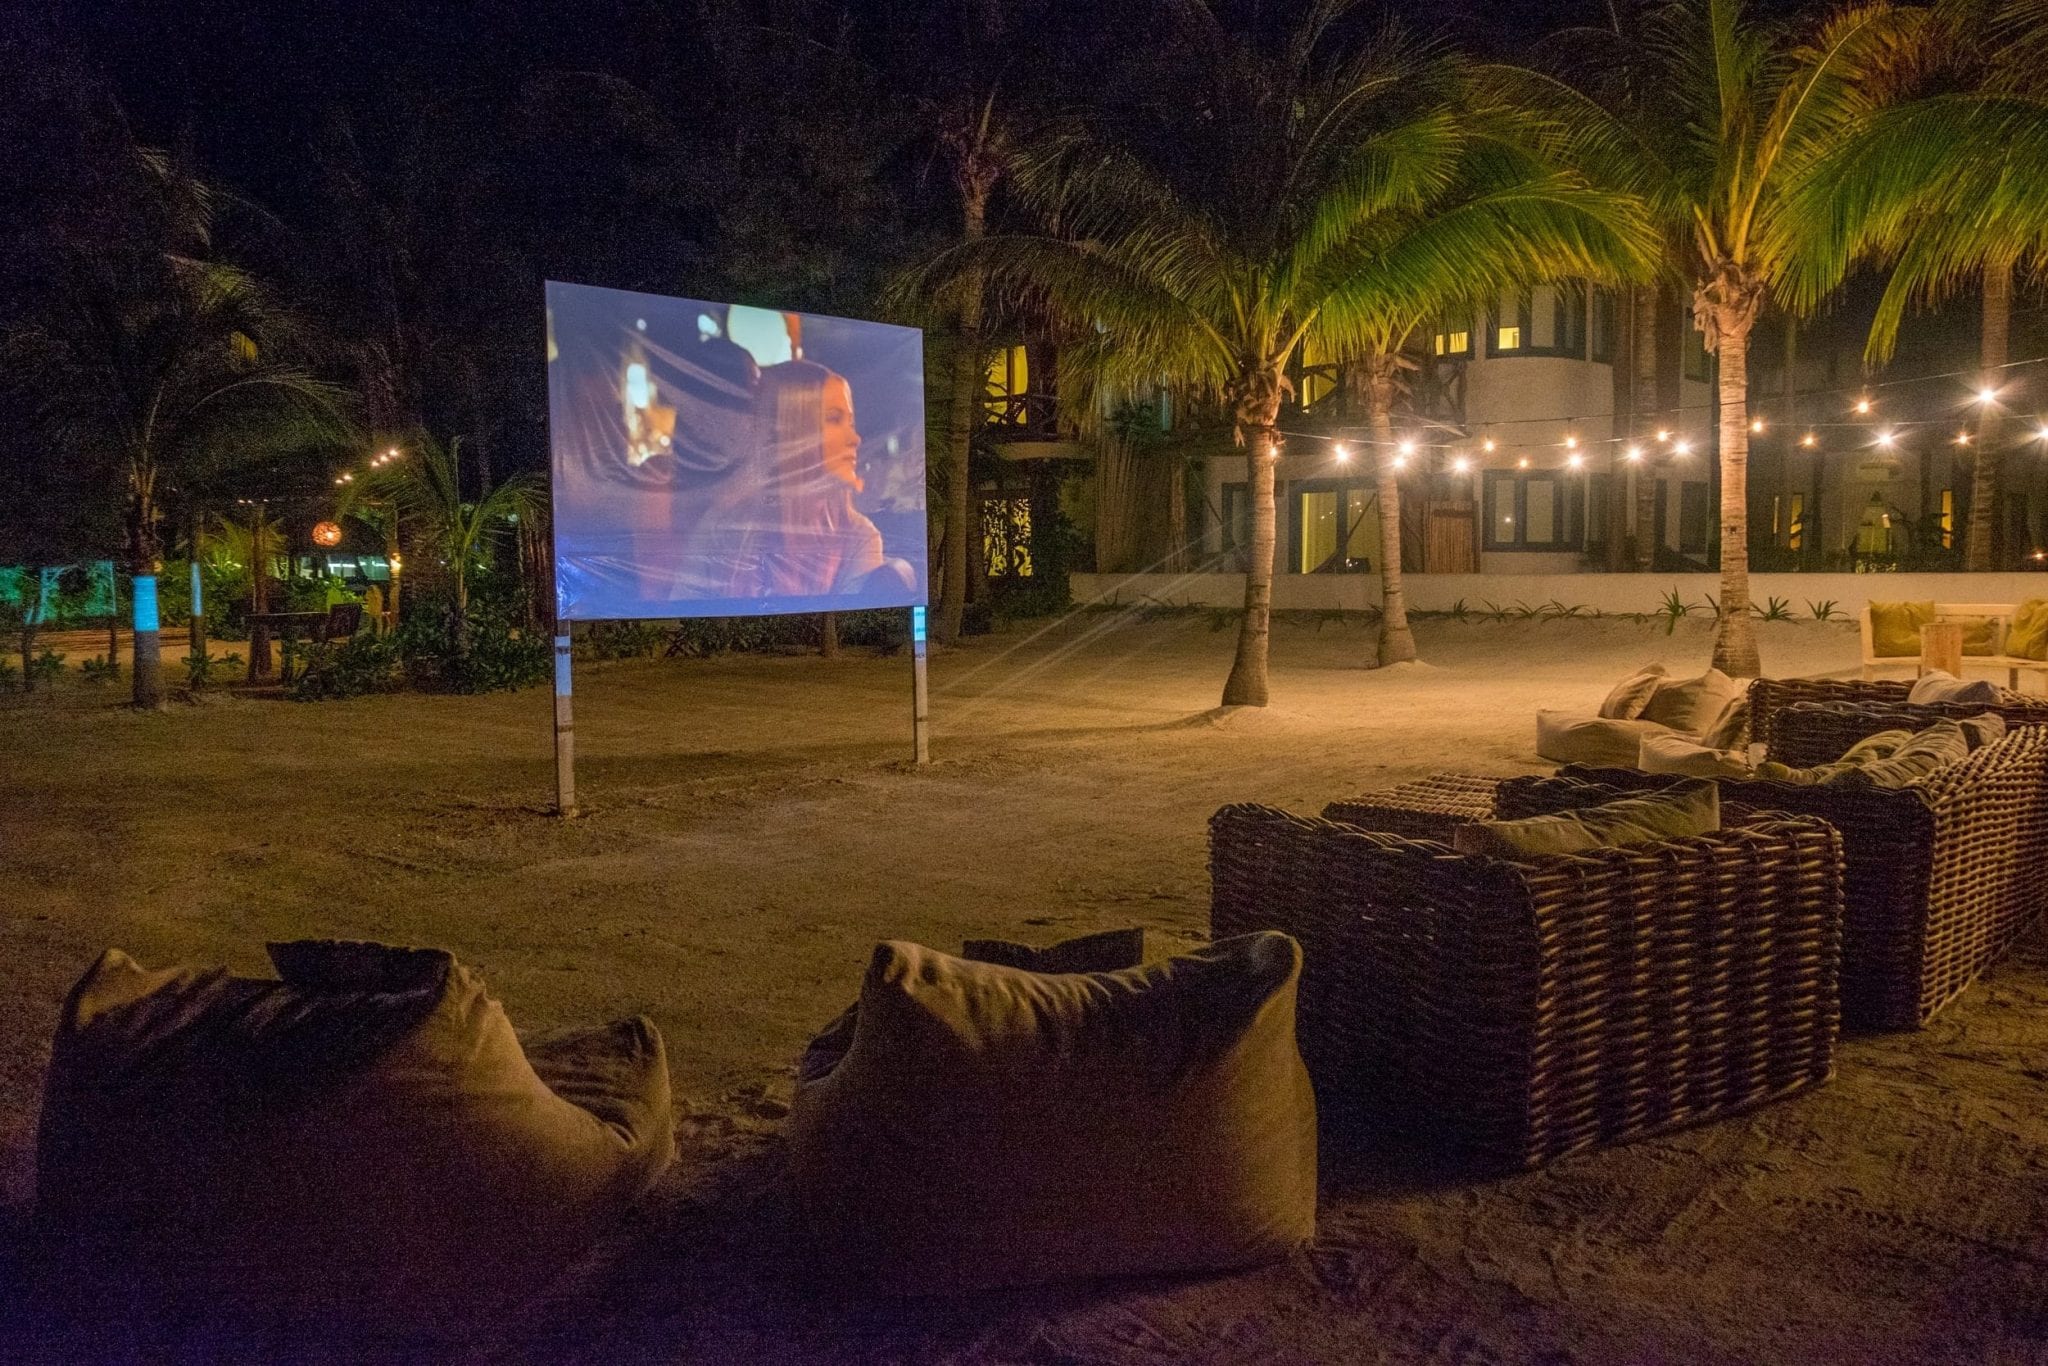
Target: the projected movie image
(721, 460)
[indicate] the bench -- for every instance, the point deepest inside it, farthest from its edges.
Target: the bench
(2000, 616)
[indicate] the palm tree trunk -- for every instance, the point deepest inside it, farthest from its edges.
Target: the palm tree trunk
(970, 369)
(828, 635)
(1735, 651)
(1993, 349)
(1116, 472)
(1397, 641)
(148, 690)
(1247, 686)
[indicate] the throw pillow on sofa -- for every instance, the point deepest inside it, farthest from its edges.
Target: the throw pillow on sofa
(1937, 685)
(364, 1141)
(985, 1126)
(1927, 752)
(2028, 636)
(1677, 812)
(1632, 694)
(1693, 705)
(1731, 729)
(1895, 627)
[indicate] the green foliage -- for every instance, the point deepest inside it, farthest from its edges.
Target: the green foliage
(602, 640)
(100, 671)
(364, 663)
(884, 628)
(1774, 609)
(1826, 610)
(204, 671)
(10, 675)
(46, 668)
(492, 653)
(1674, 610)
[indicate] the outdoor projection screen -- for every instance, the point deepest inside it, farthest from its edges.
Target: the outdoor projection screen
(719, 460)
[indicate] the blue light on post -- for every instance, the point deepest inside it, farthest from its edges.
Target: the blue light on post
(145, 603)
(198, 607)
(917, 624)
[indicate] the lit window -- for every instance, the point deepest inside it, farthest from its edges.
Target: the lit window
(1948, 519)
(1507, 338)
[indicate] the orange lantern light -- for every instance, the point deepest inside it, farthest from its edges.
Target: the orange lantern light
(327, 533)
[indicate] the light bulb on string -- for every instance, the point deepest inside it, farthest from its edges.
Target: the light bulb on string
(1681, 447)
(1400, 462)
(1340, 452)
(1575, 460)
(1863, 405)
(1987, 396)
(1461, 465)
(1756, 424)
(1522, 463)
(1809, 440)
(1664, 434)
(1571, 443)
(1487, 445)
(1962, 438)
(1407, 446)
(1887, 437)
(1633, 454)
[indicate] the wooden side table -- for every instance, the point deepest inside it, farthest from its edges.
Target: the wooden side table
(1941, 647)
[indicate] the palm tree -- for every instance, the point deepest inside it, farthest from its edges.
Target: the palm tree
(1942, 186)
(1330, 204)
(1726, 116)
(424, 488)
(171, 366)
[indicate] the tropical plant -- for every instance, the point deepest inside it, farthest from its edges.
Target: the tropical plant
(99, 671)
(1826, 610)
(1774, 609)
(1332, 204)
(1724, 116)
(1942, 186)
(1673, 609)
(172, 363)
(425, 488)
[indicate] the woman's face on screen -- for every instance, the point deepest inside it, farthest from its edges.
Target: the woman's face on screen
(841, 441)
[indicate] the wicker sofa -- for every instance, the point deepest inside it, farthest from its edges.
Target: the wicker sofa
(1769, 697)
(1941, 874)
(1513, 1012)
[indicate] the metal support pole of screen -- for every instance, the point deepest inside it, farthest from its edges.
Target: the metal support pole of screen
(565, 733)
(920, 696)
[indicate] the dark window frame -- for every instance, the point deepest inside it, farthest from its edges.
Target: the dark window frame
(1297, 489)
(1568, 517)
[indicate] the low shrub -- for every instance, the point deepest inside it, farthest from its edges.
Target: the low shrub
(204, 671)
(99, 671)
(363, 663)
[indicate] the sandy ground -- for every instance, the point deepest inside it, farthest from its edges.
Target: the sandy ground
(752, 826)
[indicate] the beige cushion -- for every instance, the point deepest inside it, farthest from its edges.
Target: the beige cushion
(1680, 811)
(986, 1126)
(1731, 729)
(1881, 745)
(363, 1141)
(1981, 730)
(1678, 755)
(1938, 686)
(1632, 694)
(2028, 636)
(1575, 738)
(1693, 705)
(1895, 627)
(1933, 749)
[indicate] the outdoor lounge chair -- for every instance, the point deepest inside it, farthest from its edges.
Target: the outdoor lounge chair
(1815, 742)
(1942, 874)
(1514, 1012)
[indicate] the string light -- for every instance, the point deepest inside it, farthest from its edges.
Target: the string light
(1962, 438)
(1664, 434)
(1756, 424)
(1400, 462)
(1487, 445)
(1461, 465)
(1863, 405)
(1987, 396)
(1681, 447)
(1887, 437)
(1407, 447)
(1523, 463)
(1571, 443)
(1633, 454)
(1341, 453)
(1575, 461)
(1809, 440)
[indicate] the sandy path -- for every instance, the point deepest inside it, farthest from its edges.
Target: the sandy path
(753, 828)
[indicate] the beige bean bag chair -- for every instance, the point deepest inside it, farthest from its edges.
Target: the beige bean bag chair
(1646, 707)
(984, 1126)
(364, 1142)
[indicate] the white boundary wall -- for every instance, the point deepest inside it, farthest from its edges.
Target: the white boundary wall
(1612, 593)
